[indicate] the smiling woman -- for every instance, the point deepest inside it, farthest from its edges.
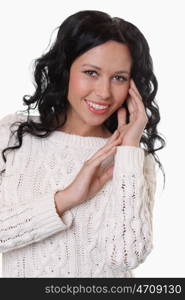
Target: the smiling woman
(77, 188)
(95, 94)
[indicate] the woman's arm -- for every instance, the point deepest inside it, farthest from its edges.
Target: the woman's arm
(27, 222)
(127, 226)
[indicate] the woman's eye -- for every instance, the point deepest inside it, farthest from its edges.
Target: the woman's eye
(93, 73)
(120, 78)
(90, 72)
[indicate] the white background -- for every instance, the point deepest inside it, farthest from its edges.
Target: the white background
(25, 31)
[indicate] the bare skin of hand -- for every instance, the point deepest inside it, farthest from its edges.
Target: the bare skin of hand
(131, 133)
(89, 180)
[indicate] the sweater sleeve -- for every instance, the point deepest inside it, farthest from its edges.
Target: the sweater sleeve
(128, 215)
(27, 222)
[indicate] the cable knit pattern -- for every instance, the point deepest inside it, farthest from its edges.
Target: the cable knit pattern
(106, 236)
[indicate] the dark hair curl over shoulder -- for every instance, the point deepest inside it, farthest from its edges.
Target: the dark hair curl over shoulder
(77, 34)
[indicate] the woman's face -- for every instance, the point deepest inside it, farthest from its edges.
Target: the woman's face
(99, 77)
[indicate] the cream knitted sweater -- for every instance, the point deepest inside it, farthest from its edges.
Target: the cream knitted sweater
(106, 236)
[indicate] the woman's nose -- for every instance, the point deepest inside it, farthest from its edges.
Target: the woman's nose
(103, 89)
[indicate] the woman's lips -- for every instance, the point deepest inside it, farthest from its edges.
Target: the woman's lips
(96, 111)
(98, 103)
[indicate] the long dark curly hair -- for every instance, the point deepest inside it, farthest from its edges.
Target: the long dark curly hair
(76, 35)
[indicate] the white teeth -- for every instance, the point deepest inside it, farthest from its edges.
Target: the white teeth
(96, 106)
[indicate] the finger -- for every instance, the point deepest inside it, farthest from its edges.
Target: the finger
(133, 101)
(113, 142)
(137, 102)
(130, 104)
(97, 160)
(132, 117)
(113, 137)
(139, 110)
(107, 148)
(134, 93)
(106, 175)
(133, 86)
(121, 115)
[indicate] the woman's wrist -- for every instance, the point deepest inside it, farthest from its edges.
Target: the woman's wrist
(62, 203)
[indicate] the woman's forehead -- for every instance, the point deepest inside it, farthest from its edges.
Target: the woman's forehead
(112, 54)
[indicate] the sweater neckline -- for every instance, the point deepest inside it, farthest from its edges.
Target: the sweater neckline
(60, 137)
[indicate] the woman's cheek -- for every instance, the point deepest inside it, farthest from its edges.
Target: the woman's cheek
(82, 86)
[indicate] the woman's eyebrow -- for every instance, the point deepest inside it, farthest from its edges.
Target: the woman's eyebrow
(98, 68)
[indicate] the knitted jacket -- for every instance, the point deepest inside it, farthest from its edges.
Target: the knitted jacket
(108, 235)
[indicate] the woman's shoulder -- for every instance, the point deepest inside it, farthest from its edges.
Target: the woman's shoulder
(9, 123)
(9, 119)
(5, 127)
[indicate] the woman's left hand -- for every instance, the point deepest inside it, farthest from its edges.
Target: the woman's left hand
(130, 134)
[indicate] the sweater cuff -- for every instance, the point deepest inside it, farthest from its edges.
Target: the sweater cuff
(129, 158)
(48, 219)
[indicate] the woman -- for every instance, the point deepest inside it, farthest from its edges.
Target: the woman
(78, 181)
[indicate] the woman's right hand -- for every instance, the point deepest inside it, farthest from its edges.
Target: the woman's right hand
(89, 181)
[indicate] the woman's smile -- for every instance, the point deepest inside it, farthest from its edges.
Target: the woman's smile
(96, 108)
